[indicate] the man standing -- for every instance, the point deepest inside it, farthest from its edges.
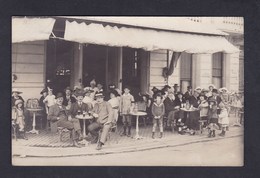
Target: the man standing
(58, 113)
(79, 107)
(68, 100)
(188, 93)
(103, 113)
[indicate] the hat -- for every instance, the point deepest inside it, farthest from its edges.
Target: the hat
(215, 90)
(44, 91)
(88, 90)
(79, 93)
(211, 85)
(100, 94)
(167, 86)
(76, 88)
(15, 90)
(198, 88)
(154, 89)
(189, 87)
(59, 95)
(175, 85)
(18, 102)
(67, 88)
(224, 88)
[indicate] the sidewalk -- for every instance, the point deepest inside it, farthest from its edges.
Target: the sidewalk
(48, 145)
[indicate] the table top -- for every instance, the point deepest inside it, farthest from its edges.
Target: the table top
(34, 109)
(84, 118)
(189, 110)
(139, 113)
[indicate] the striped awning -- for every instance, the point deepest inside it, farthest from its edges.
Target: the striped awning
(31, 29)
(147, 39)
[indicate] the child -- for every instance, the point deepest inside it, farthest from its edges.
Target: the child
(158, 111)
(114, 101)
(213, 117)
(127, 103)
(18, 118)
(49, 99)
(203, 107)
(223, 119)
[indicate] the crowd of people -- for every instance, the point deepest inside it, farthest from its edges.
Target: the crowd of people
(163, 107)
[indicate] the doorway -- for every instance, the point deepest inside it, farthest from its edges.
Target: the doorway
(58, 64)
(94, 64)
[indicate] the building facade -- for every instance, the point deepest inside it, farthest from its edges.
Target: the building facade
(62, 59)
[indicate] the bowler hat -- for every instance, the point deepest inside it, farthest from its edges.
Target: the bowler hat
(99, 94)
(15, 90)
(79, 93)
(189, 87)
(18, 102)
(154, 89)
(44, 91)
(215, 90)
(59, 95)
(175, 85)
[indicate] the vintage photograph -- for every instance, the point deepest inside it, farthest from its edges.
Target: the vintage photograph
(127, 91)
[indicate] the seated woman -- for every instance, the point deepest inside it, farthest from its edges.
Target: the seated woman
(18, 119)
(180, 101)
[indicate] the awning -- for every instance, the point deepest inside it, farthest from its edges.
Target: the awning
(31, 29)
(146, 39)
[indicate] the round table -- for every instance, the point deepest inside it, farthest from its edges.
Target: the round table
(86, 117)
(137, 114)
(188, 111)
(34, 110)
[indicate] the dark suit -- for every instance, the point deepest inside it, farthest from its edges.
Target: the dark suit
(170, 112)
(75, 107)
(56, 111)
(66, 100)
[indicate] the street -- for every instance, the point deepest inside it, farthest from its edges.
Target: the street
(223, 152)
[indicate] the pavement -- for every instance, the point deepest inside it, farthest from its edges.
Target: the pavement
(47, 144)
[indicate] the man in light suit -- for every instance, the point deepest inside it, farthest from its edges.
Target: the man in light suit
(103, 113)
(58, 113)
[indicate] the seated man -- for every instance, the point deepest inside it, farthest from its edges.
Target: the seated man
(79, 107)
(58, 113)
(171, 108)
(103, 113)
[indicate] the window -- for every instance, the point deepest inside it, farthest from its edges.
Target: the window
(185, 71)
(217, 73)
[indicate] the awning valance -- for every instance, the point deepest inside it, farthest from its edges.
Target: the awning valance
(146, 39)
(31, 29)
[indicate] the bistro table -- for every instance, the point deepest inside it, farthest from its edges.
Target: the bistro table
(34, 111)
(188, 111)
(137, 114)
(86, 117)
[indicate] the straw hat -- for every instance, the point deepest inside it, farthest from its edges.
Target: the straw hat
(15, 90)
(224, 88)
(211, 85)
(100, 94)
(18, 102)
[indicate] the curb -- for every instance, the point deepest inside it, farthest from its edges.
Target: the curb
(125, 149)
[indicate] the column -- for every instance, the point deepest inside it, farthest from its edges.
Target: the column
(231, 71)
(201, 70)
(76, 77)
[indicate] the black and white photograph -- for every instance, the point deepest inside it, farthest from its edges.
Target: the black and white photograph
(127, 91)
